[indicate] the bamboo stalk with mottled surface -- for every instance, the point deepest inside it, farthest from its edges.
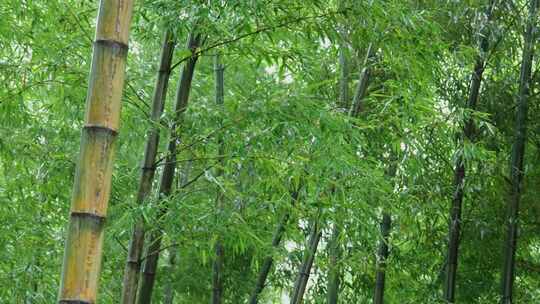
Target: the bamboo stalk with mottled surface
(91, 191)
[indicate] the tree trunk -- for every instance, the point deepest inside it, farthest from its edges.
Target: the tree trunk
(334, 253)
(269, 260)
(184, 86)
(307, 263)
(518, 151)
(382, 256)
(217, 268)
(91, 191)
(133, 264)
(459, 170)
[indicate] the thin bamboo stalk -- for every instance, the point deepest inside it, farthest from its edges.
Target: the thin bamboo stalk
(133, 264)
(146, 285)
(307, 262)
(334, 253)
(382, 256)
(459, 170)
(363, 82)
(517, 158)
(217, 267)
(269, 259)
(168, 297)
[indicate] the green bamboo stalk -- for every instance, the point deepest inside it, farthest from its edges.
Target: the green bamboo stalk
(269, 259)
(382, 256)
(217, 267)
(146, 285)
(307, 262)
(363, 83)
(91, 191)
(518, 153)
(334, 253)
(133, 264)
(459, 170)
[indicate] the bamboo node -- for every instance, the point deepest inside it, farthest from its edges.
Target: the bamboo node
(113, 44)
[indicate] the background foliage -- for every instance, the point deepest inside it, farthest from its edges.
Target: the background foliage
(282, 126)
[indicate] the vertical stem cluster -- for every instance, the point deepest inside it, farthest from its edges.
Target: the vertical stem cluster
(133, 264)
(217, 267)
(459, 170)
(91, 191)
(518, 152)
(154, 243)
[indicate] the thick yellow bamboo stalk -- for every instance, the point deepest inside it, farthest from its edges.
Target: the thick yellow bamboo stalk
(91, 190)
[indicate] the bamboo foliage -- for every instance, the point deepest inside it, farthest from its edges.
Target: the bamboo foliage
(83, 251)
(133, 264)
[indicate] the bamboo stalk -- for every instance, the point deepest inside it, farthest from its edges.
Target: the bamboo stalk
(363, 83)
(344, 76)
(334, 253)
(91, 191)
(517, 158)
(269, 259)
(307, 263)
(168, 297)
(169, 288)
(459, 170)
(182, 96)
(217, 267)
(382, 256)
(133, 264)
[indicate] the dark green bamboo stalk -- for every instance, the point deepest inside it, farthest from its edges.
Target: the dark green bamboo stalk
(363, 83)
(217, 267)
(344, 77)
(154, 243)
(168, 297)
(91, 190)
(334, 254)
(459, 170)
(307, 262)
(269, 260)
(133, 264)
(518, 152)
(382, 256)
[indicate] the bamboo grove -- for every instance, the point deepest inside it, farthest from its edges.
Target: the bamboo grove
(276, 151)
